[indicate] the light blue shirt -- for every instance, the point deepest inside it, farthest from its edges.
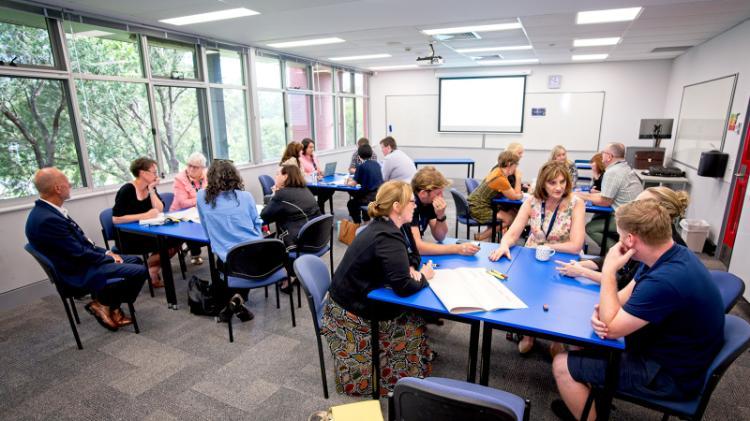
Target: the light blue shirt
(231, 221)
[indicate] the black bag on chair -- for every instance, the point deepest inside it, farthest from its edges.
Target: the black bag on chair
(200, 298)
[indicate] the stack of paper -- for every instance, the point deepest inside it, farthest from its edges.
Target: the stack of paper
(465, 290)
(157, 220)
(189, 214)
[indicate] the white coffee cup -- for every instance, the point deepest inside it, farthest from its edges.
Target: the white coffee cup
(543, 253)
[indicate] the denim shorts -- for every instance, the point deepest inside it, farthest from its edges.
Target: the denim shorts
(638, 375)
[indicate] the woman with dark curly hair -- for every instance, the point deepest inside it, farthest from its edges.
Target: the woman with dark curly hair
(228, 213)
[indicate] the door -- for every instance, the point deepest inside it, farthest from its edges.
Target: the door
(737, 234)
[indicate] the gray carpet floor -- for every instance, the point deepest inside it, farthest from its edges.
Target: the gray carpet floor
(182, 366)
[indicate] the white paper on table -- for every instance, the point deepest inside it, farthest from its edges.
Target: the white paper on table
(189, 214)
(465, 290)
(157, 220)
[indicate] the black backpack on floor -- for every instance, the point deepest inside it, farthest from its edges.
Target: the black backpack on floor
(200, 297)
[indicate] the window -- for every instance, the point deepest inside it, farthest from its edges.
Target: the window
(324, 121)
(268, 72)
(344, 81)
(179, 125)
(172, 60)
(297, 75)
(117, 127)
(272, 136)
(224, 67)
(360, 104)
(348, 135)
(359, 84)
(300, 125)
(102, 51)
(35, 132)
(322, 78)
(229, 120)
(24, 40)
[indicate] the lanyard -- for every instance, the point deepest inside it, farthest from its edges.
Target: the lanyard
(198, 187)
(551, 220)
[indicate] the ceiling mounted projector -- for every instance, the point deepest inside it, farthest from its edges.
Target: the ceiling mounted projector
(431, 60)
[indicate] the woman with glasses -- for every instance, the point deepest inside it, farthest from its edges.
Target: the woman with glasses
(139, 200)
(383, 255)
(186, 185)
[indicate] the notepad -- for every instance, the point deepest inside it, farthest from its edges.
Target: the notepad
(466, 290)
(185, 215)
(359, 411)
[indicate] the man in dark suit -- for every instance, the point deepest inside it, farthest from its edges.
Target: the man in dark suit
(80, 263)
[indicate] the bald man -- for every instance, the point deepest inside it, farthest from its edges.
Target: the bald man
(82, 266)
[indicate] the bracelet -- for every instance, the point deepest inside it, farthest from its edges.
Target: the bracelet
(442, 219)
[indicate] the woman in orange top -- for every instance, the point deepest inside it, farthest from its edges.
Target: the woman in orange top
(480, 200)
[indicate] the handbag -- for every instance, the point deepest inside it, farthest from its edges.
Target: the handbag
(347, 231)
(200, 297)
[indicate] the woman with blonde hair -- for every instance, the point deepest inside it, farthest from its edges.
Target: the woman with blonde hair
(675, 202)
(383, 255)
(559, 153)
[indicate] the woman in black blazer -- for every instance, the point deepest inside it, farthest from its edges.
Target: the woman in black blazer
(291, 205)
(382, 255)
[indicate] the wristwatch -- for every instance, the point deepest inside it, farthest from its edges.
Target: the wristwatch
(442, 219)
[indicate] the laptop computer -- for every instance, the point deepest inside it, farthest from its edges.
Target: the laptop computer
(330, 169)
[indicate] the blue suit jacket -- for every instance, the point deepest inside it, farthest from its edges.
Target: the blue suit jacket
(64, 243)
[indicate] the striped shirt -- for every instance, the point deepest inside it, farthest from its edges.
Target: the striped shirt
(620, 184)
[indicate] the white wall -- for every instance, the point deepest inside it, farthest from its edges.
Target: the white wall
(634, 90)
(19, 269)
(718, 57)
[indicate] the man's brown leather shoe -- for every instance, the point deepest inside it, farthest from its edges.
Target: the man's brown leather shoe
(120, 318)
(102, 315)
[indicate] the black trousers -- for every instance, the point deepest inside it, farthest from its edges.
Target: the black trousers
(356, 201)
(133, 274)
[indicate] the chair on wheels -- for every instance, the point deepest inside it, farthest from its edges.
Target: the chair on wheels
(266, 182)
(730, 287)
(471, 185)
(736, 342)
(255, 264)
(313, 275)
(315, 238)
(462, 213)
(108, 234)
(440, 399)
(68, 292)
(168, 198)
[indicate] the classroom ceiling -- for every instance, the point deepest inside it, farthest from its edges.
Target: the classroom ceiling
(394, 26)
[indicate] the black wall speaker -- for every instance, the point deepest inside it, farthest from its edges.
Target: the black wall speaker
(713, 164)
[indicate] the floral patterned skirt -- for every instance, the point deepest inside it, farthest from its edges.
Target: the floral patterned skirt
(403, 350)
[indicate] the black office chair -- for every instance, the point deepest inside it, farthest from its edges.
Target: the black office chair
(440, 399)
(462, 213)
(316, 238)
(255, 264)
(108, 234)
(67, 292)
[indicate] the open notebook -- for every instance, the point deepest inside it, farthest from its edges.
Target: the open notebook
(189, 214)
(466, 290)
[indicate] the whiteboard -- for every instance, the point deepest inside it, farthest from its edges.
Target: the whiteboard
(702, 123)
(572, 119)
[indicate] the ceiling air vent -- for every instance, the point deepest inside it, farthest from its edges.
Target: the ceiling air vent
(490, 57)
(677, 49)
(457, 37)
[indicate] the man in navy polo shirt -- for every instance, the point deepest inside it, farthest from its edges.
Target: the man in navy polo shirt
(671, 315)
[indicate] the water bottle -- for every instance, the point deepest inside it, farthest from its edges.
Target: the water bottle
(314, 177)
(338, 226)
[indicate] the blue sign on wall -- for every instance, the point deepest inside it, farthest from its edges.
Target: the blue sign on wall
(538, 112)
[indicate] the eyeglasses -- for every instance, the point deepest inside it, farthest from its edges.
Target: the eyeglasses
(197, 167)
(216, 160)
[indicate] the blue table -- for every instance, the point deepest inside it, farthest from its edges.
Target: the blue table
(449, 161)
(187, 231)
(570, 304)
(332, 184)
(590, 208)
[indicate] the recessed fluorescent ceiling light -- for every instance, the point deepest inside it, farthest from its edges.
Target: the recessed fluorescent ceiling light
(306, 42)
(476, 28)
(595, 42)
(508, 62)
(584, 57)
(211, 16)
(608, 15)
(399, 67)
(483, 49)
(364, 57)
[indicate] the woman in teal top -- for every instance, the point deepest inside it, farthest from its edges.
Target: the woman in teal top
(227, 212)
